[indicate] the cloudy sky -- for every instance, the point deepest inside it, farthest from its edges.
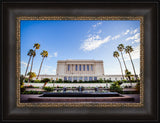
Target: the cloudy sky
(79, 40)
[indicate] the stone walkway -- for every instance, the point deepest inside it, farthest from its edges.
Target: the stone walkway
(25, 97)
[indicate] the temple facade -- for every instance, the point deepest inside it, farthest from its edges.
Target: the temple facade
(85, 70)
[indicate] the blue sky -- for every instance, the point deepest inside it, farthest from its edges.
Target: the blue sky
(79, 40)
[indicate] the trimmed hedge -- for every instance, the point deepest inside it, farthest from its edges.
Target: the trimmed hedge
(32, 92)
(48, 88)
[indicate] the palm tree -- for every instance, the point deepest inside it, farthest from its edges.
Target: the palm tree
(36, 46)
(128, 74)
(128, 50)
(44, 54)
(121, 48)
(116, 55)
(33, 55)
(31, 75)
(30, 55)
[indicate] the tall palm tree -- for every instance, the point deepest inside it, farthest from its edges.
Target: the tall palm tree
(121, 48)
(33, 55)
(116, 55)
(128, 50)
(36, 46)
(44, 54)
(30, 52)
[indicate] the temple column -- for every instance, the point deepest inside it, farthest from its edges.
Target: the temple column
(72, 69)
(86, 68)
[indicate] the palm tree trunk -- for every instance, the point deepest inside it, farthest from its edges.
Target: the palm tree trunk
(133, 66)
(40, 68)
(121, 67)
(31, 68)
(27, 65)
(123, 61)
(44, 84)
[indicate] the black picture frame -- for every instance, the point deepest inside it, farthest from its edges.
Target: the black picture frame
(148, 9)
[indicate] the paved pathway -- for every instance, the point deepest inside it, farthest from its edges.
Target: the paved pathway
(24, 98)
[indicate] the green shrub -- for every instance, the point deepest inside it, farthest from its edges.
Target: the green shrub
(29, 86)
(60, 80)
(22, 88)
(21, 79)
(31, 92)
(37, 81)
(26, 80)
(32, 81)
(138, 86)
(100, 80)
(115, 87)
(108, 80)
(82, 88)
(119, 82)
(124, 81)
(126, 86)
(65, 81)
(39, 92)
(75, 81)
(48, 88)
(45, 80)
(23, 92)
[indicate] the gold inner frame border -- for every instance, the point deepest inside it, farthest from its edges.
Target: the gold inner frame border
(92, 104)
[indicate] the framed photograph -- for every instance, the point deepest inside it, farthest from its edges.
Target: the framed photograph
(83, 81)
(80, 61)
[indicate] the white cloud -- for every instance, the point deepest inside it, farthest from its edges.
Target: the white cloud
(130, 31)
(116, 37)
(93, 42)
(134, 31)
(135, 54)
(50, 56)
(97, 24)
(127, 31)
(55, 54)
(24, 64)
(94, 26)
(89, 35)
(136, 37)
(100, 31)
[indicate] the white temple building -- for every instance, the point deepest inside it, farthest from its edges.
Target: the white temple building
(80, 69)
(85, 70)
